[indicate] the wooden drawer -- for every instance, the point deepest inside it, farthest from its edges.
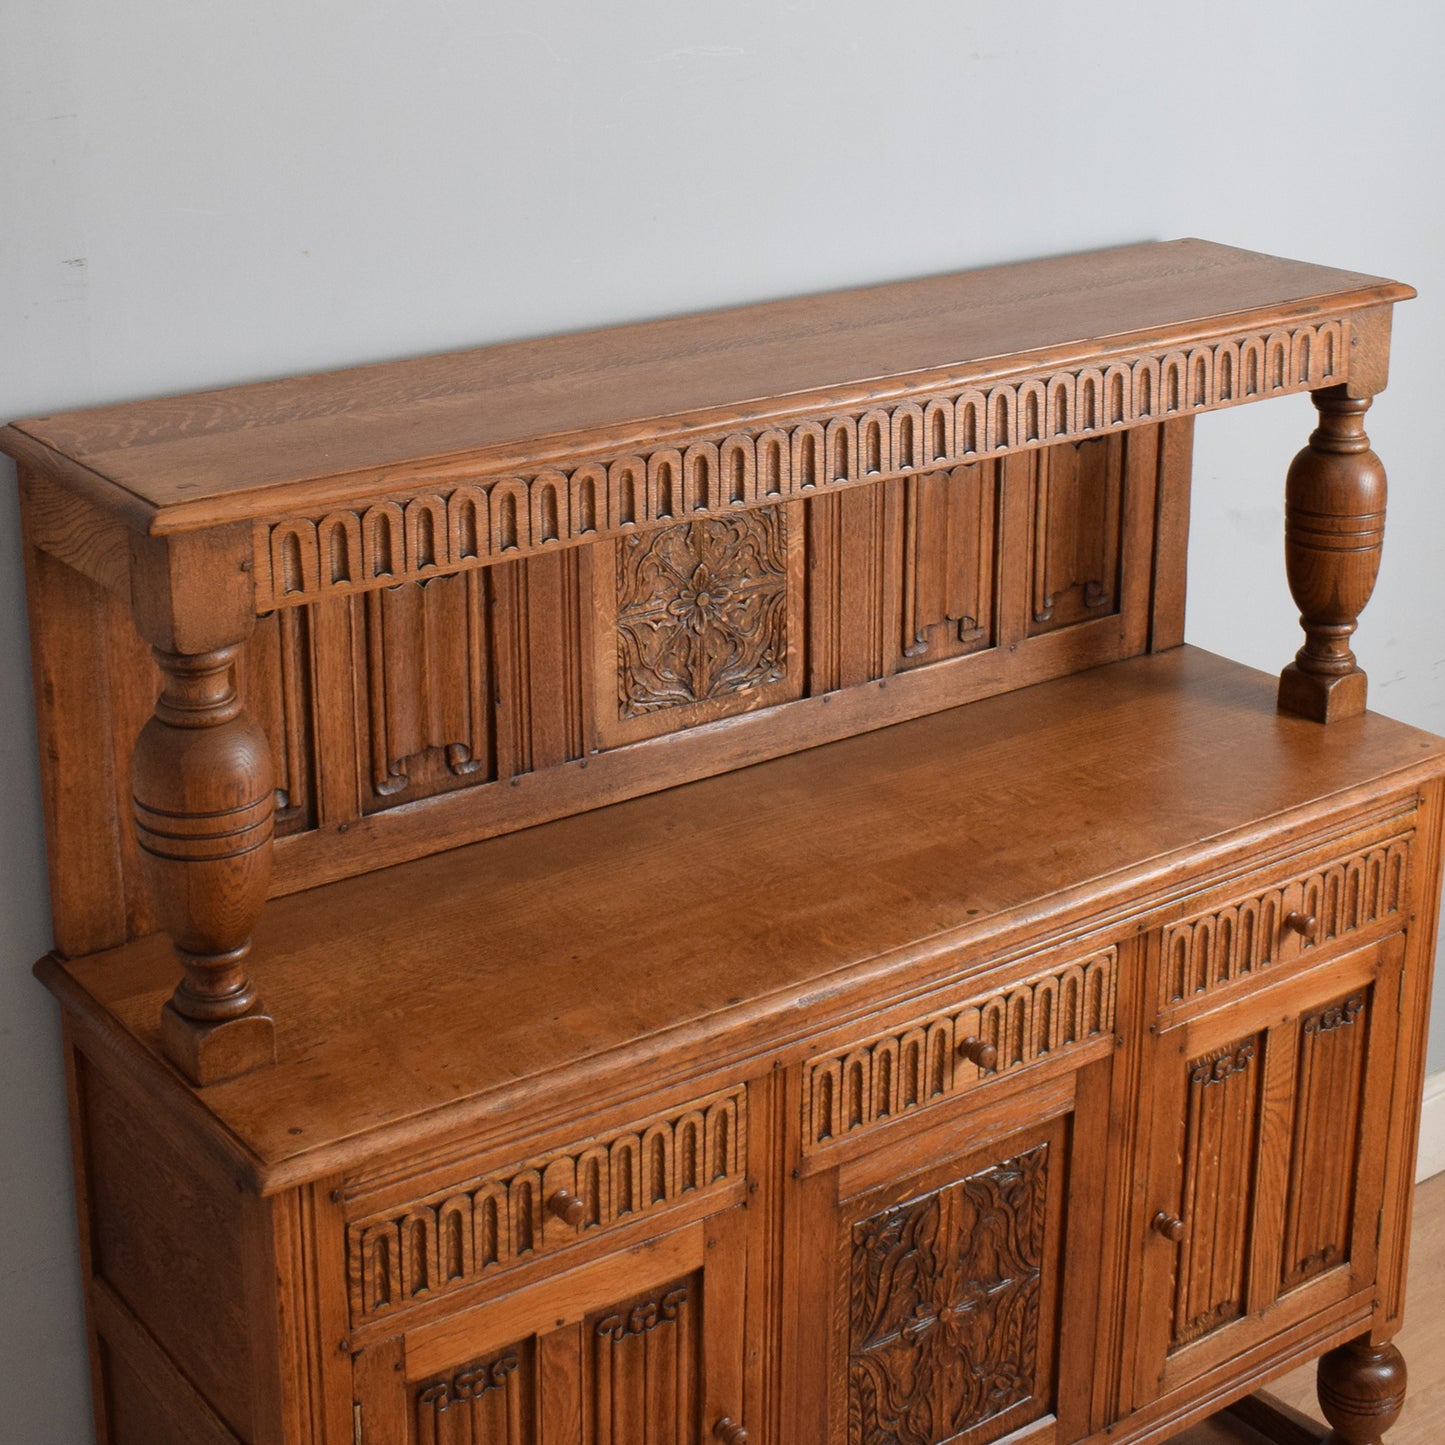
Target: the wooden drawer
(486, 1225)
(886, 1075)
(1314, 901)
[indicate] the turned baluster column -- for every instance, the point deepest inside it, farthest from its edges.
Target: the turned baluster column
(1334, 529)
(1361, 1389)
(204, 797)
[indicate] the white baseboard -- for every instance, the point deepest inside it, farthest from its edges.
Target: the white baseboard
(1431, 1159)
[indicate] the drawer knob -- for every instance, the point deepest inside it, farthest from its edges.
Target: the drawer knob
(730, 1432)
(567, 1207)
(1304, 924)
(1169, 1225)
(976, 1051)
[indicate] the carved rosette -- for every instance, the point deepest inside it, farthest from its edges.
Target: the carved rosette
(944, 1306)
(701, 611)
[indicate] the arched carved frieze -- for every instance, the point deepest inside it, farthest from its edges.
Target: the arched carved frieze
(418, 534)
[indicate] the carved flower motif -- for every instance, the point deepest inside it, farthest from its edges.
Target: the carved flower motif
(701, 611)
(701, 600)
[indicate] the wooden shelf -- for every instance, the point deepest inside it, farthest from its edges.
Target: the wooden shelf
(259, 450)
(713, 908)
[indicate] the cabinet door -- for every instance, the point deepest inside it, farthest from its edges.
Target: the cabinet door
(641, 1348)
(934, 1271)
(1266, 1168)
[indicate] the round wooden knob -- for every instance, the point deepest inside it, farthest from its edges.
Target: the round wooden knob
(1171, 1227)
(980, 1053)
(568, 1208)
(1304, 924)
(730, 1432)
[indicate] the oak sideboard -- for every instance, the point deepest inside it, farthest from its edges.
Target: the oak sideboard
(680, 883)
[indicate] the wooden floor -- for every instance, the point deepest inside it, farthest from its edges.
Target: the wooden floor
(1422, 1341)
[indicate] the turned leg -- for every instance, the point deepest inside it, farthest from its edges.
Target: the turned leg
(1361, 1390)
(204, 813)
(1334, 528)
(203, 786)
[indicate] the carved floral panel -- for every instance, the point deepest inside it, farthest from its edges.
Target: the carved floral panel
(945, 1300)
(701, 611)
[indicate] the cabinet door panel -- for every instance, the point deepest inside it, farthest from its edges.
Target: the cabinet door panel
(1265, 1177)
(939, 1264)
(1328, 1095)
(1221, 1134)
(642, 1349)
(951, 1300)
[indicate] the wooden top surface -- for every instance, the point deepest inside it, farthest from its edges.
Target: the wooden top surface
(221, 455)
(432, 994)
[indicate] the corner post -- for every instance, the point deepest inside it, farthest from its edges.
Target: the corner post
(204, 796)
(1334, 531)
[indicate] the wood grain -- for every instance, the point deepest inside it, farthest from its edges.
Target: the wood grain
(1054, 820)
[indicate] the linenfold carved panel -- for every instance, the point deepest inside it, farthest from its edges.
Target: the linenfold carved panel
(1220, 1149)
(944, 1307)
(1244, 937)
(642, 1369)
(426, 665)
(484, 1402)
(279, 693)
(1076, 525)
(409, 534)
(457, 1236)
(882, 1077)
(901, 575)
(949, 526)
(1327, 1101)
(701, 611)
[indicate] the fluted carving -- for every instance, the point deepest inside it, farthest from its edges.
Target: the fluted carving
(880, 1078)
(455, 1237)
(416, 534)
(1247, 935)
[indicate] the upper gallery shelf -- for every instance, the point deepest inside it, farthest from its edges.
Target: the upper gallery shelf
(571, 437)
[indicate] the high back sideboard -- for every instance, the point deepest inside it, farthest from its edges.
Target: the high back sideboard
(679, 883)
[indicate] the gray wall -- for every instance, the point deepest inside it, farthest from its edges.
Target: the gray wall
(194, 193)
